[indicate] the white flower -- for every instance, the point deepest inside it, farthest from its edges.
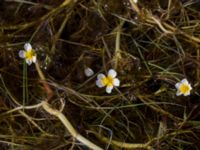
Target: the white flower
(135, 1)
(183, 88)
(88, 72)
(28, 54)
(109, 81)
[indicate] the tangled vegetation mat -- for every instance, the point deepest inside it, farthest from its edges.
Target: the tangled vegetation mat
(99, 74)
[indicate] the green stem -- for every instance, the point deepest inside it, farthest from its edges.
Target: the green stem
(25, 83)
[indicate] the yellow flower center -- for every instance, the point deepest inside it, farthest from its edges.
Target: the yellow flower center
(184, 88)
(107, 81)
(29, 54)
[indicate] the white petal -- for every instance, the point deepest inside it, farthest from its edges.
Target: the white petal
(21, 54)
(99, 83)
(184, 81)
(112, 73)
(116, 82)
(190, 87)
(100, 76)
(109, 89)
(186, 94)
(29, 61)
(177, 85)
(27, 46)
(178, 93)
(88, 72)
(34, 59)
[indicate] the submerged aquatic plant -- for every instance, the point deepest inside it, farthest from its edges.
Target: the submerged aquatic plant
(28, 54)
(183, 88)
(109, 81)
(73, 36)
